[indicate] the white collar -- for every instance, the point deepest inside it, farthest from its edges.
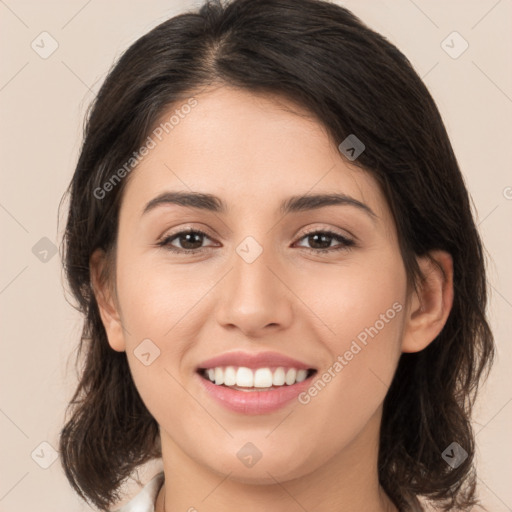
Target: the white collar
(145, 500)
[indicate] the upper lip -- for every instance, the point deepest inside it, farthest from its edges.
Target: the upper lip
(253, 360)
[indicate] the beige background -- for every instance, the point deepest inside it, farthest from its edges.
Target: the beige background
(43, 102)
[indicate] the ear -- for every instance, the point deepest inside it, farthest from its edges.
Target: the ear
(431, 304)
(105, 297)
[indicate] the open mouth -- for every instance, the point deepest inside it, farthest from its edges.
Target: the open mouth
(260, 379)
(259, 387)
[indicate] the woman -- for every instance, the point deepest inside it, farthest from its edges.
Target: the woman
(283, 286)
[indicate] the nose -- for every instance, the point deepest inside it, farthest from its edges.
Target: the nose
(255, 297)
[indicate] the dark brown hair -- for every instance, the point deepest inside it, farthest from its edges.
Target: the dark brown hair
(354, 81)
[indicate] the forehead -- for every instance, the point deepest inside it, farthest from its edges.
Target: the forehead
(250, 149)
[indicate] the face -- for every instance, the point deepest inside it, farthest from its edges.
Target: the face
(323, 284)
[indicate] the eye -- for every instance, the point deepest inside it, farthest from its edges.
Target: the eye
(323, 238)
(190, 240)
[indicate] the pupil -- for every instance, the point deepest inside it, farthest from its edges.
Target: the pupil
(316, 236)
(189, 236)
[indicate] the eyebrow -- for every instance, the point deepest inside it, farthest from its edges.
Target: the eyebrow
(293, 204)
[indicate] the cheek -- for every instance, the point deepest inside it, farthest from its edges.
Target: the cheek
(151, 306)
(158, 295)
(362, 314)
(163, 312)
(359, 299)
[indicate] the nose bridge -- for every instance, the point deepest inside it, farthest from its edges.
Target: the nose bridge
(250, 266)
(252, 296)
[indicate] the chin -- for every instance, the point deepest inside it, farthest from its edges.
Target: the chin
(265, 471)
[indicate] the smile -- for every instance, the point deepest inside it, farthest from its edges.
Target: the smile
(246, 379)
(254, 391)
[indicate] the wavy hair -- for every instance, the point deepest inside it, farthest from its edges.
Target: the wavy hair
(322, 57)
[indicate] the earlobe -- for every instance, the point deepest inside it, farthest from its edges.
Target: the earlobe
(431, 304)
(104, 294)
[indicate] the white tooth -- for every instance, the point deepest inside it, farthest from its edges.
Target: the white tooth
(278, 377)
(219, 376)
(229, 376)
(260, 378)
(301, 375)
(263, 378)
(290, 376)
(244, 377)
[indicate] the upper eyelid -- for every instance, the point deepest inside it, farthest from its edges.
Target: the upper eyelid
(331, 231)
(334, 231)
(191, 229)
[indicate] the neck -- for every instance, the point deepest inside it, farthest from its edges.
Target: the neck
(347, 482)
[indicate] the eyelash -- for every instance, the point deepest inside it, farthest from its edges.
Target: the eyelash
(346, 243)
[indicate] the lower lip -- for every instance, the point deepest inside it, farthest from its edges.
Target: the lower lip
(254, 402)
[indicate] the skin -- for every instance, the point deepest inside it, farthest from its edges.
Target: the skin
(254, 151)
